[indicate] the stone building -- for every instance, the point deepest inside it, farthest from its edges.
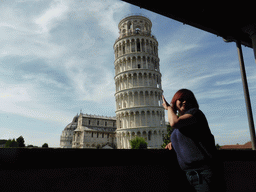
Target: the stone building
(138, 96)
(89, 131)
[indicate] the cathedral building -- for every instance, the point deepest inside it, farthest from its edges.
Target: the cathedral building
(89, 131)
(138, 96)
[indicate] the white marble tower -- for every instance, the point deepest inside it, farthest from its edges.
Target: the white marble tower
(139, 110)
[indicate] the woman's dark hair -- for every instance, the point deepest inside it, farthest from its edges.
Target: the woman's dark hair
(187, 96)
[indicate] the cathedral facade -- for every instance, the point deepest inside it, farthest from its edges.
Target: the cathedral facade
(139, 110)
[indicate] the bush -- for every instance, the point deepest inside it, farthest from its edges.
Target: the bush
(138, 143)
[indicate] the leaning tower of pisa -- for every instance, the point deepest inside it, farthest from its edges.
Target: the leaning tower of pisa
(139, 110)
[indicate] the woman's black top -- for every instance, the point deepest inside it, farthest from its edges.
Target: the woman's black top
(194, 144)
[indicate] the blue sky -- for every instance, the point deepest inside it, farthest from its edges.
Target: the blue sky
(56, 57)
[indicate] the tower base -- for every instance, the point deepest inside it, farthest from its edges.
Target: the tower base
(153, 136)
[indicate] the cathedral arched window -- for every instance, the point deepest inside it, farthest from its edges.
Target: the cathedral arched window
(149, 135)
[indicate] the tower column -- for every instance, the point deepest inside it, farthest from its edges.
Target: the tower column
(145, 45)
(144, 98)
(134, 123)
(140, 45)
(146, 118)
(146, 62)
(132, 80)
(130, 45)
(129, 120)
(137, 79)
(133, 95)
(151, 119)
(135, 44)
(128, 97)
(140, 118)
(130, 139)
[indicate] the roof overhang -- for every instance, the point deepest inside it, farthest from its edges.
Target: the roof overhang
(227, 20)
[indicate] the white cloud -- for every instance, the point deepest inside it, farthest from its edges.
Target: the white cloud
(28, 100)
(228, 82)
(88, 75)
(56, 12)
(107, 20)
(92, 83)
(31, 109)
(180, 41)
(45, 79)
(19, 35)
(14, 94)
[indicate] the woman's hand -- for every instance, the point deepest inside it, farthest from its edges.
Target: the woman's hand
(169, 146)
(165, 103)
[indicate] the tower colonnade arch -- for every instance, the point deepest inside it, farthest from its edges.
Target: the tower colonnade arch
(135, 62)
(136, 44)
(137, 98)
(151, 135)
(140, 118)
(139, 78)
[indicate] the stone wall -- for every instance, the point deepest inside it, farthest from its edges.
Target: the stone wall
(112, 170)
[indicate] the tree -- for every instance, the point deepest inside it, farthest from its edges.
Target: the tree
(3, 141)
(11, 143)
(8, 143)
(168, 136)
(20, 141)
(138, 143)
(218, 146)
(45, 145)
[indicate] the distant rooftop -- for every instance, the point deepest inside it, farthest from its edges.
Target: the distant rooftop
(247, 145)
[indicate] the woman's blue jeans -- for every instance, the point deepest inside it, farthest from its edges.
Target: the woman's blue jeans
(204, 180)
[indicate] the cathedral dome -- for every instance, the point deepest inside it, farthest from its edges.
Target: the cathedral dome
(67, 134)
(71, 126)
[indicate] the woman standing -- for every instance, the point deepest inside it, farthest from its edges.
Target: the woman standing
(192, 141)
